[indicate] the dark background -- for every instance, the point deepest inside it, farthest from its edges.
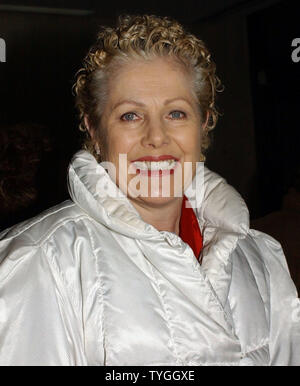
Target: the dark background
(256, 142)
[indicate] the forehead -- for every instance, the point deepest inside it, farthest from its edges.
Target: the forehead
(147, 78)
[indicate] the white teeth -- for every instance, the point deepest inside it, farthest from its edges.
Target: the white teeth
(160, 165)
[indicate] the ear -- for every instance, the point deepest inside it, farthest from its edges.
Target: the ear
(88, 126)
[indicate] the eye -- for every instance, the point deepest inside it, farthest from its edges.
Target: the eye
(177, 114)
(129, 117)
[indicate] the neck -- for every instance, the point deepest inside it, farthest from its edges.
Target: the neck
(164, 217)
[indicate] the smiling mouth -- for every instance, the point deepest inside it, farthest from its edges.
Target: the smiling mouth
(155, 168)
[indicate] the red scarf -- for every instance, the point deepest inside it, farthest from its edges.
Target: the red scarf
(189, 230)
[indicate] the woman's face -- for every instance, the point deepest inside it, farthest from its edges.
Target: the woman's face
(152, 118)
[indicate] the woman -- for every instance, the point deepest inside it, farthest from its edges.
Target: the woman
(141, 268)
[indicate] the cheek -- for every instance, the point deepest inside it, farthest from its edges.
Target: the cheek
(119, 143)
(190, 141)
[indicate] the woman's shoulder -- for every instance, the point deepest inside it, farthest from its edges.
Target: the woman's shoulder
(40, 237)
(45, 244)
(262, 247)
(34, 230)
(265, 257)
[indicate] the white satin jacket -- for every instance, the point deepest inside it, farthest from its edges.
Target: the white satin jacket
(89, 283)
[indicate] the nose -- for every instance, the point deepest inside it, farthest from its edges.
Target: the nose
(155, 134)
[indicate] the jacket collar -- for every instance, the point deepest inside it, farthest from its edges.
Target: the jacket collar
(218, 204)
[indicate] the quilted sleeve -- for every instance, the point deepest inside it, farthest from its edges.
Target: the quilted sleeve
(37, 325)
(284, 304)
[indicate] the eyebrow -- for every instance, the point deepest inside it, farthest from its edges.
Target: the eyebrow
(140, 104)
(128, 101)
(168, 101)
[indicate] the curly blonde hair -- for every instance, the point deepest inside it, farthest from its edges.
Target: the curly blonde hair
(143, 37)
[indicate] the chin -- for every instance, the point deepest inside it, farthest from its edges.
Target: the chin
(156, 201)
